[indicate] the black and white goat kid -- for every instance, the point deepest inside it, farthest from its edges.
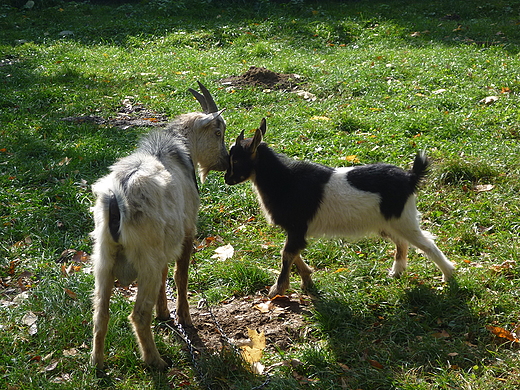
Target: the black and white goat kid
(145, 217)
(308, 199)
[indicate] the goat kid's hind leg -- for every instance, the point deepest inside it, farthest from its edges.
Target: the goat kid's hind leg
(161, 308)
(424, 241)
(400, 259)
(181, 281)
(101, 301)
(141, 319)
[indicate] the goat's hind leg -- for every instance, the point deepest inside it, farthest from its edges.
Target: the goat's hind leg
(424, 241)
(181, 281)
(161, 308)
(400, 258)
(141, 319)
(101, 301)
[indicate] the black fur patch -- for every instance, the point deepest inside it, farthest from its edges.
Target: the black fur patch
(291, 191)
(393, 184)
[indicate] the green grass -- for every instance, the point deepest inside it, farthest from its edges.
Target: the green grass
(390, 78)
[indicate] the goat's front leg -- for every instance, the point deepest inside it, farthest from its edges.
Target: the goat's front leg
(282, 284)
(181, 281)
(294, 244)
(141, 319)
(161, 308)
(305, 272)
(101, 301)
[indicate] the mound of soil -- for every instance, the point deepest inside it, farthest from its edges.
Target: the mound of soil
(262, 77)
(282, 320)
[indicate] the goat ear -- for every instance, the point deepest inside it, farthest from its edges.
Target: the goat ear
(263, 126)
(256, 140)
(240, 138)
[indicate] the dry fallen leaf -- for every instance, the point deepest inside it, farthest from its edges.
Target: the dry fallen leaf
(503, 333)
(375, 364)
(224, 252)
(252, 352)
(29, 318)
(264, 307)
(488, 100)
(483, 187)
(70, 293)
(441, 335)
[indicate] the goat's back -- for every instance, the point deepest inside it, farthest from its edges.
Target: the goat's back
(158, 202)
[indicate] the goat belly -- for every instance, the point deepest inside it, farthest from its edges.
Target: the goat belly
(346, 211)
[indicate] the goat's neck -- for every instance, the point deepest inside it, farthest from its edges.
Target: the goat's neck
(272, 170)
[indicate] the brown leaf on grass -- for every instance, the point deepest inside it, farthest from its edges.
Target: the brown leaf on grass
(375, 364)
(70, 293)
(208, 241)
(441, 335)
(503, 333)
(70, 352)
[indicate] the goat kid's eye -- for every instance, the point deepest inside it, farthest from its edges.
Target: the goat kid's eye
(218, 133)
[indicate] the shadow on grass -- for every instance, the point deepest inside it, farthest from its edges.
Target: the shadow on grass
(423, 329)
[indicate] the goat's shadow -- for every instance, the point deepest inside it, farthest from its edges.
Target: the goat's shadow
(424, 325)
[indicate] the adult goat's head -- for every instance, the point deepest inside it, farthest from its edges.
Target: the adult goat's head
(207, 139)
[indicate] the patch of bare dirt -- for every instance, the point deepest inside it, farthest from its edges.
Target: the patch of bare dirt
(282, 320)
(262, 77)
(129, 115)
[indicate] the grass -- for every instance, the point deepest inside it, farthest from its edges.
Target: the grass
(390, 78)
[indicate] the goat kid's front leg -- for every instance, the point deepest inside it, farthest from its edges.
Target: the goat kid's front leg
(181, 281)
(141, 320)
(282, 283)
(161, 308)
(304, 271)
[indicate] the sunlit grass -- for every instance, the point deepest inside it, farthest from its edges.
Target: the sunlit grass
(390, 79)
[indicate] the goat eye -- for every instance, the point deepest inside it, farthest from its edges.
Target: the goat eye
(218, 133)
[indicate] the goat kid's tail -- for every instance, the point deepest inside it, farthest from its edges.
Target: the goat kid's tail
(419, 170)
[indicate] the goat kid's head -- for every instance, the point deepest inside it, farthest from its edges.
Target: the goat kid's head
(209, 128)
(242, 156)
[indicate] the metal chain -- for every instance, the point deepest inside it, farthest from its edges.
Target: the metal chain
(191, 349)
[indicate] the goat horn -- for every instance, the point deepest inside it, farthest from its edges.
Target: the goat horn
(201, 100)
(210, 103)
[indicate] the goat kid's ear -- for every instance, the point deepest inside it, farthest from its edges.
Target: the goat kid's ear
(256, 140)
(240, 138)
(263, 126)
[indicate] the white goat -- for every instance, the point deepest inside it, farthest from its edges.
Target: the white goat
(308, 199)
(145, 217)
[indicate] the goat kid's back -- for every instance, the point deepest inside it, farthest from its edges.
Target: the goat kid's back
(308, 199)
